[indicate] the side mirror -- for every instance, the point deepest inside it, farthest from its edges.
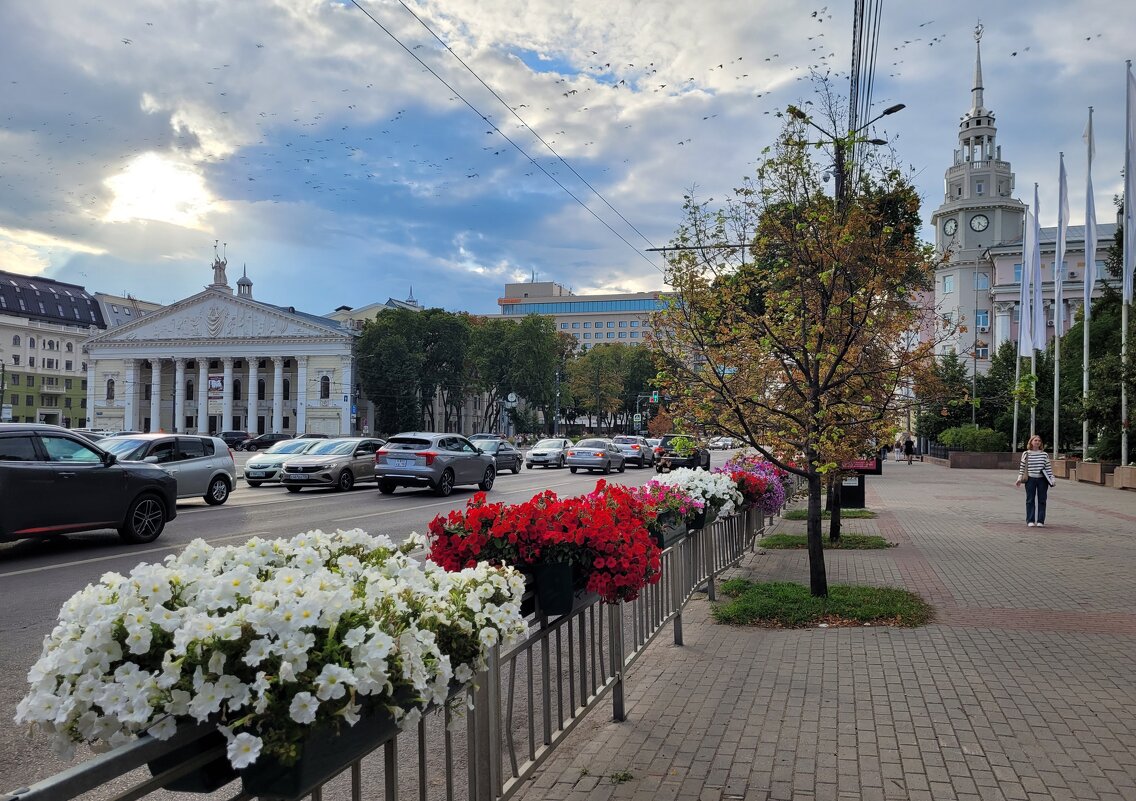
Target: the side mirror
(109, 459)
(151, 460)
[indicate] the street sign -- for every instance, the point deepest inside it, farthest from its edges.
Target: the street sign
(6, 413)
(637, 418)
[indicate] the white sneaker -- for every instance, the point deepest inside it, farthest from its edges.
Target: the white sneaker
(1031, 525)
(1041, 525)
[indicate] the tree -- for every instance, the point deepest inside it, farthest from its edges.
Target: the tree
(389, 355)
(492, 346)
(796, 322)
(596, 381)
(944, 396)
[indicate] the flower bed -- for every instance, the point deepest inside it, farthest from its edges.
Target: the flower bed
(762, 484)
(269, 641)
(717, 491)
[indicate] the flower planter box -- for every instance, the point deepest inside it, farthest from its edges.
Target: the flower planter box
(1124, 478)
(668, 529)
(1061, 468)
(1094, 472)
(208, 778)
(558, 589)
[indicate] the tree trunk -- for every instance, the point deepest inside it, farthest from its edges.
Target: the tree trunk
(818, 580)
(834, 510)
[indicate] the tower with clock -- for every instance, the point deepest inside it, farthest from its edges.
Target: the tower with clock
(978, 211)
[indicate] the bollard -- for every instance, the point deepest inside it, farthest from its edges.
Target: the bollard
(615, 650)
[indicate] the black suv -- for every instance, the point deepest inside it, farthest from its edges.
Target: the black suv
(235, 438)
(263, 442)
(65, 483)
(693, 454)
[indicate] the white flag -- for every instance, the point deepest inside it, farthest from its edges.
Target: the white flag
(1059, 260)
(1129, 189)
(1039, 336)
(1025, 315)
(1090, 225)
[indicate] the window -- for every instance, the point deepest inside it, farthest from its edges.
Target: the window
(18, 449)
(576, 335)
(190, 448)
(31, 342)
(610, 324)
(948, 284)
(68, 383)
(599, 323)
(114, 308)
(51, 344)
(70, 347)
(110, 389)
(16, 359)
(82, 403)
(31, 361)
(623, 335)
(587, 335)
(634, 323)
(84, 368)
(1017, 273)
(286, 423)
(189, 390)
(15, 379)
(611, 335)
(69, 365)
(236, 389)
(1017, 312)
(325, 388)
(147, 389)
(564, 325)
(16, 341)
(979, 188)
(1100, 271)
(287, 389)
(67, 403)
(634, 334)
(982, 317)
(575, 325)
(982, 280)
(127, 310)
(623, 324)
(260, 389)
(15, 400)
(982, 352)
(29, 400)
(587, 325)
(83, 385)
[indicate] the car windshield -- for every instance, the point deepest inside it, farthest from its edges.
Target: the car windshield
(291, 446)
(489, 446)
(126, 448)
(334, 447)
(550, 443)
(626, 440)
(407, 443)
(592, 443)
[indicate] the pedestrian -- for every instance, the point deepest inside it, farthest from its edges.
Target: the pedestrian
(909, 449)
(1037, 474)
(898, 449)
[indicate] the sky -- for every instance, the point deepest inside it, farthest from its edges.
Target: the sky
(345, 153)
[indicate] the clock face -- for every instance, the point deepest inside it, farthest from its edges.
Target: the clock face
(979, 222)
(950, 226)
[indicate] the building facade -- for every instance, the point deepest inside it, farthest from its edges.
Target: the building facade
(980, 227)
(43, 370)
(591, 319)
(223, 362)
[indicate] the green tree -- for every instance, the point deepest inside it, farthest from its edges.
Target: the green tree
(389, 355)
(944, 396)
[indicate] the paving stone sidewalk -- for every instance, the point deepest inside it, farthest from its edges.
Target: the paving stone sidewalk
(1024, 688)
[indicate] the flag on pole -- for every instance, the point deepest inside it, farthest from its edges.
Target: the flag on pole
(1025, 315)
(1035, 262)
(1059, 260)
(1129, 188)
(1090, 223)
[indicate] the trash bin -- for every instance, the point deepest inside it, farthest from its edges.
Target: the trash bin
(852, 492)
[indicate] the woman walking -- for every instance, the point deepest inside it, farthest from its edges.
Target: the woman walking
(1037, 474)
(909, 450)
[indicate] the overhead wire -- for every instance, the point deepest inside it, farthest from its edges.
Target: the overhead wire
(505, 136)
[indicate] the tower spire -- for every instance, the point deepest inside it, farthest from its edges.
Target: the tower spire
(977, 106)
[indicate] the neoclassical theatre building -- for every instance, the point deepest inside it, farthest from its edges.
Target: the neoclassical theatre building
(223, 362)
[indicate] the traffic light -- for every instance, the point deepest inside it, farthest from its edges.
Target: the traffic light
(655, 396)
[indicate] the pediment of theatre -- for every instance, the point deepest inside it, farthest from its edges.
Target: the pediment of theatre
(212, 316)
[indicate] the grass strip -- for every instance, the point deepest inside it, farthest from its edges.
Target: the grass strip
(848, 542)
(845, 514)
(790, 606)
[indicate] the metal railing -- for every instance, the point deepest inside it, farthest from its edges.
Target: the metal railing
(517, 711)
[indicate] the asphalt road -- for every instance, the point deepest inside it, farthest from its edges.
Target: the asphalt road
(37, 576)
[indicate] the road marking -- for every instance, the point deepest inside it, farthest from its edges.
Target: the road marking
(128, 554)
(432, 505)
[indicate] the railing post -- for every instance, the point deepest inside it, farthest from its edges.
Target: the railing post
(678, 561)
(485, 732)
(615, 650)
(708, 556)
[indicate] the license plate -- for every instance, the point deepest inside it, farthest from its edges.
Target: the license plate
(296, 476)
(254, 473)
(400, 462)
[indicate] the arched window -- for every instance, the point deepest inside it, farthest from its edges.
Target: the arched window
(31, 342)
(236, 389)
(260, 389)
(287, 389)
(70, 348)
(16, 341)
(325, 388)
(189, 390)
(110, 389)
(51, 344)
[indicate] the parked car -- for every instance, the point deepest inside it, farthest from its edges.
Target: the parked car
(66, 483)
(636, 449)
(235, 438)
(505, 454)
(262, 442)
(265, 468)
(203, 466)
(721, 444)
(340, 463)
(485, 435)
(548, 452)
(430, 459)
(89, 435)
(682, 450)
(596, 454)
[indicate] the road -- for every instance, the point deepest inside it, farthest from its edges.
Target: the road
(37, 576)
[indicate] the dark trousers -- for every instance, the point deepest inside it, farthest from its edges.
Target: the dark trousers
(1037, 489)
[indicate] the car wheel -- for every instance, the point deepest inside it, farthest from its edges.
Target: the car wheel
(145, 519)
(486, 482)
(606, 468)
(294, 489)
(250, 448)
(345, 481)
(571, 469)
(253, 483)
(387, 487)
(561, 462)
(528, 465)
(623, 466)
(516, 467)
(445, 483)
(218, 492)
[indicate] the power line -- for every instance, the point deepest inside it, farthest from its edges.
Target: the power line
(505, 136)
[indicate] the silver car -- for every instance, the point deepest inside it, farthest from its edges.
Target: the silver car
(430, 459)
(203, 466)
(339, 463)
(596, 454)
(265, 468)
(549, 453)
(636, 449)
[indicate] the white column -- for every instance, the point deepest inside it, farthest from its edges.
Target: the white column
(227, 398)
(346, 419)
(277, 394)
(251, 415)
(130, 393)
(1002, 317)
(179, 396)
(155, 395)
(202, 394)
(300, 392)
(92, 394)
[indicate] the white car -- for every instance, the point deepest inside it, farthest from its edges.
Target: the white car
(721, 444)
(548, 452)
(266, 467)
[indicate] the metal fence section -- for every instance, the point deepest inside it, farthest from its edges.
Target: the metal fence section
(516, 712)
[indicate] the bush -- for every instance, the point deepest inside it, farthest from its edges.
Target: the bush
(972, 438)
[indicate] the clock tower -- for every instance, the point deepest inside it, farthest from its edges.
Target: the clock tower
(977, 212)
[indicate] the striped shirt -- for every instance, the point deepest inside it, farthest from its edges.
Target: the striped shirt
(1035, 464)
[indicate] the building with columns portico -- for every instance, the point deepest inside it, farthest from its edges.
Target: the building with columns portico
(223, 362)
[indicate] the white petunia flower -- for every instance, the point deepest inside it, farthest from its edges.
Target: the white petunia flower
(303, 708)
(244, 749)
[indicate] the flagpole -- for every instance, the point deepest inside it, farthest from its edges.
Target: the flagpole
(1090, 280)
(1037, 329)
(1126, 271)
(1059, 297)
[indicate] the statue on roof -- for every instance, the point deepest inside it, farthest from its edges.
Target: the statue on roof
(219, 265)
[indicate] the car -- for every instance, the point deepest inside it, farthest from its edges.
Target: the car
(435, 460)
(66, 483)
(90, 436)
(636, 449)
(263, 441)
(203, 466)
(235, 438)
(485, 435)
(596, 454)
(682, 450)
(341, 463)
(548, 452)
(265, 468)
(721, 444)
(506, 456)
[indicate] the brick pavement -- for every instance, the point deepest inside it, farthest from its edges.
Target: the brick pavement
(1023, 689)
